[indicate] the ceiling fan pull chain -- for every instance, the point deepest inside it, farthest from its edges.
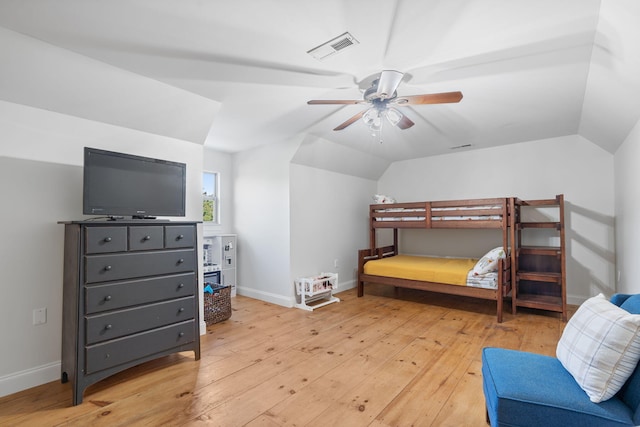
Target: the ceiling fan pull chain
(377, 132)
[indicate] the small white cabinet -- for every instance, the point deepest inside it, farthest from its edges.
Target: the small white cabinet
(220, 255)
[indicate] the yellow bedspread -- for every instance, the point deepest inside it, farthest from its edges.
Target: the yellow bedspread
(452, 271)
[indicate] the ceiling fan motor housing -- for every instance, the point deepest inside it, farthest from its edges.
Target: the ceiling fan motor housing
(371, 94)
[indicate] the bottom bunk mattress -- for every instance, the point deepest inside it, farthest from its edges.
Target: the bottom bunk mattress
(451, 271)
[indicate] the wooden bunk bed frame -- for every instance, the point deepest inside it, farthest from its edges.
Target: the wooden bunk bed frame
(496, 213)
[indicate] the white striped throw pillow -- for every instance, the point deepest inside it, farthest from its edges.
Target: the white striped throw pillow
(600, 347)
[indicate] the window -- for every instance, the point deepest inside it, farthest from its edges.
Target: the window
(210, 201)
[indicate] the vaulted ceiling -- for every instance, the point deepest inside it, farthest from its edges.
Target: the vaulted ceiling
(234, 75)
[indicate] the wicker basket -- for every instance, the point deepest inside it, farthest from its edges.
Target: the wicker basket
(217, 306)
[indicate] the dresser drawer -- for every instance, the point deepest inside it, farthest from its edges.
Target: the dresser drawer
(123, 350)
(104, 268)
(135, 292)
(179, 236)
(146, 238)
(116, 324)
(105, 239)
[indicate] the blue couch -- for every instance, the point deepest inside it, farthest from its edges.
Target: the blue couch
(526, 389)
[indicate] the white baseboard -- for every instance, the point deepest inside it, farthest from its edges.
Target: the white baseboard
(283, 300)
(343, 286)
(575, 300)
(28, 378)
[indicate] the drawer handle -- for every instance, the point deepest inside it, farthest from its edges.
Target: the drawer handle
(147, 238)
(107, 239)
(181, 309)
(181, 285)
(180, 236)
(107, 268)
(181, 334)
(109, 326)
(181, 260)
(107, 298)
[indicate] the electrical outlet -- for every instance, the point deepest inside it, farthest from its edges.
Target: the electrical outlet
(335, 263)
(40, 316)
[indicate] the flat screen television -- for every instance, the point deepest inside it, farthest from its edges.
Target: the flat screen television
(118, 184)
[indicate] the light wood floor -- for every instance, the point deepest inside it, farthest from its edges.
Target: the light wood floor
(371, 361)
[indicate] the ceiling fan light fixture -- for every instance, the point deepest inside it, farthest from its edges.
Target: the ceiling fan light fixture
(394, 116)
(372, 117)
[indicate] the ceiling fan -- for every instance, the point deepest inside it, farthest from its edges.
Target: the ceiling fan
(383, 98)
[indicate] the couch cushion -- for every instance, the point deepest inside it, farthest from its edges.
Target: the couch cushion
(600, 347)
(630, 392)
(526, 389)
(631, 304)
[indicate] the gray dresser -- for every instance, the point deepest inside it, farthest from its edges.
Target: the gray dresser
(130, 296)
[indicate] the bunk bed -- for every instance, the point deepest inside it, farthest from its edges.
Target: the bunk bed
(384, 265)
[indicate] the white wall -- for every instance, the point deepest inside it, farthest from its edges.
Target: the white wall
(31, 266)
(222, 163)
(329, 222)
(261, 220)
(627, 180)
(568, 165)
(286, 223)
(41, 183)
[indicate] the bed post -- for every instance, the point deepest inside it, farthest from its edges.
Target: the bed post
(514, 220)
(508, 230)
(372, 230)
(361, 255)
(506, 224)
(500, 290)
(395, 241)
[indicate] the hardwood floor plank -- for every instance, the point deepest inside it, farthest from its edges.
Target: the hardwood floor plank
(362, 404)
(377, 360)
(328, 350)
(423, 398)
(314, 398)
(464, 406)
(320, 394)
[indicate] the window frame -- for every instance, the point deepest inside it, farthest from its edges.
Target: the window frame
(214, 198)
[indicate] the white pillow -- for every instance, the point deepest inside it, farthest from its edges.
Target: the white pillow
(381, 198)
(600, 347)
(489, 262)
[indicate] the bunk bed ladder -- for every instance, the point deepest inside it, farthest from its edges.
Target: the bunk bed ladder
(540, 273)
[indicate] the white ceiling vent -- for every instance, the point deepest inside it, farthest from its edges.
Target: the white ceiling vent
(333, 46)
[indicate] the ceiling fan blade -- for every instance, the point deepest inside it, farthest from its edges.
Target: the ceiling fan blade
(334, 101)
(433, 98)
(388, 83)
(405, 123)
(351, 120)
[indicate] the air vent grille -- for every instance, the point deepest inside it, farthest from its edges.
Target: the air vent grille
(333, 46)
(344, 43)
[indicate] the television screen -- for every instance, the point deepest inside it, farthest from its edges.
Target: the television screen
(123, 184)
